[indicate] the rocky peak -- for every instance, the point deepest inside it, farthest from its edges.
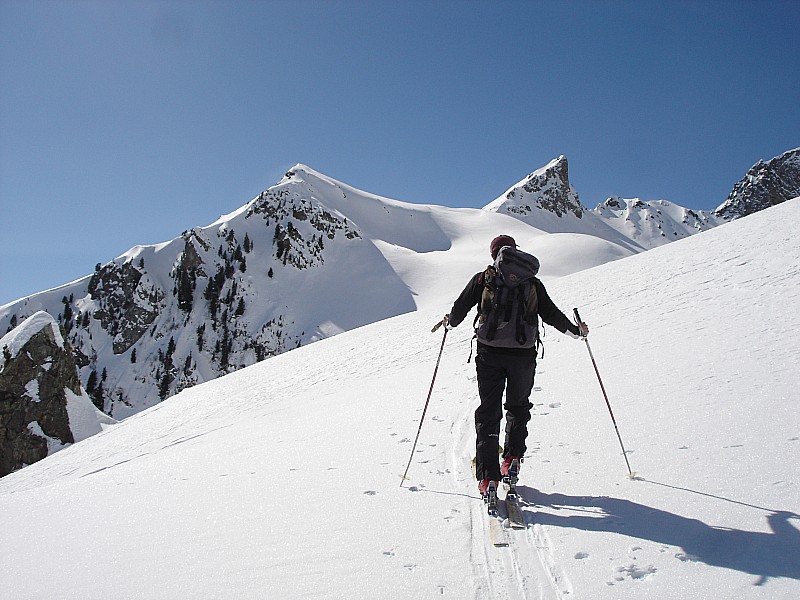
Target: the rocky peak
(36, 369)
(766, 184)
(546, 189)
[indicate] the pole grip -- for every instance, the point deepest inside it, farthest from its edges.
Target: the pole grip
(577, 316)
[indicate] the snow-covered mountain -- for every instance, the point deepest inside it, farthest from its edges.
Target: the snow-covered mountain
(282, 480)
(765, 184)
(545, 199)
(308, 258)
(653, 223)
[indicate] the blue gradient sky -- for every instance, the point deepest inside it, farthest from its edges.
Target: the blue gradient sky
(128, 122)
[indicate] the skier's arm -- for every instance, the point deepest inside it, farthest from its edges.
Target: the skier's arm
(464, 303)
(551, 314)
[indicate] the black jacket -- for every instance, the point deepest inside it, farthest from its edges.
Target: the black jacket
(549, 312)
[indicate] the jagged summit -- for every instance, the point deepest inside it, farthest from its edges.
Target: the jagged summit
(765, 184)
(546, 189)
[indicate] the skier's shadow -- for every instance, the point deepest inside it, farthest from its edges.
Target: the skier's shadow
(773, 554)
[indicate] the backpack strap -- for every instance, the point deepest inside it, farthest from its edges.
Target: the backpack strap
(487, 280)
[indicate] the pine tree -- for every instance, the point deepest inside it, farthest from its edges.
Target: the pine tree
(163, 386)
(185, 290)
(91, 383)
(98, 397)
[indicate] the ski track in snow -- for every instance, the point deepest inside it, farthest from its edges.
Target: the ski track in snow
(525, 569)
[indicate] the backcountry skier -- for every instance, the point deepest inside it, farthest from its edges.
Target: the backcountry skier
(510, 298)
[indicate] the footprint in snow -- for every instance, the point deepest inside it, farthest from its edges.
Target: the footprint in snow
(634, 572)
(581, 555)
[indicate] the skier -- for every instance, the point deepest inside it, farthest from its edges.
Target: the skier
(506, 356)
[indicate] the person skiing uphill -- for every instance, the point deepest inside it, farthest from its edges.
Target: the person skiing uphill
(510, 300)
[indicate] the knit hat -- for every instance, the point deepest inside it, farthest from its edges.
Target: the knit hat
(499, 242)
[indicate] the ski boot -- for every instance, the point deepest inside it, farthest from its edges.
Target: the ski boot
(488, 490)
(510, 471)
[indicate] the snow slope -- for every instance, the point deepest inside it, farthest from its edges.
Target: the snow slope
(282, 480)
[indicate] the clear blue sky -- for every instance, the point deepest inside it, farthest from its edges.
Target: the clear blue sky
(128, 122)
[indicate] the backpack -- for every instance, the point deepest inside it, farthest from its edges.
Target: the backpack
(507, 312)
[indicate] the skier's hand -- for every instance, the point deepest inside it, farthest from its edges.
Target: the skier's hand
(445, 321)
(584, 330)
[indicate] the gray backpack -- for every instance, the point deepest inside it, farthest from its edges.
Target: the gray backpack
(507, 312)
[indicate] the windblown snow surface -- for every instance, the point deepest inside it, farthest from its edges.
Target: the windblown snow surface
(282, 480)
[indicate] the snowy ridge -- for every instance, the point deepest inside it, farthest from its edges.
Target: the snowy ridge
(694, 343)
(545, 199)
(654, 223)
(309, 258)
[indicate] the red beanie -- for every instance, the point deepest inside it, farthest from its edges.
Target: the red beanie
(499, 242)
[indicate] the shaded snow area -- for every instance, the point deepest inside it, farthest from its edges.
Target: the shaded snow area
(282, 480)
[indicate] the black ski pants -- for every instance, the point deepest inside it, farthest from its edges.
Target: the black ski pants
(498, 371)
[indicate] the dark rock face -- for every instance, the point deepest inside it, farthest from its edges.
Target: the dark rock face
(547, 189)
(128, 304)
(32, 384)
(766, 184)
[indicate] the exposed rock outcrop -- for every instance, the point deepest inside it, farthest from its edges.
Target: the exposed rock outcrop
(766, 184)
(546, 189)
(37, 373)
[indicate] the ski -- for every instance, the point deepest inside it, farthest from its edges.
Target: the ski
(516, 519)
(497, 534)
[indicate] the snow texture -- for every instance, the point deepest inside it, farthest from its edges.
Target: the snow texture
(282, 480)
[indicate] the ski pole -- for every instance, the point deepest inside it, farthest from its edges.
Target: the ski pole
(603, 389)
(430, 391)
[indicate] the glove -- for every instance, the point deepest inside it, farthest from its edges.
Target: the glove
(583, 332)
